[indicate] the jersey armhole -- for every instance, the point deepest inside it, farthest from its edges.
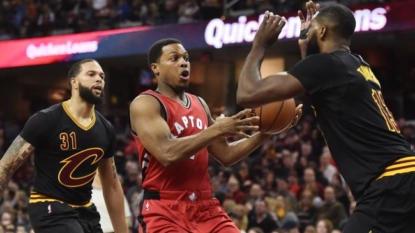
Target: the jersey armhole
(204, 107)
(163, 111)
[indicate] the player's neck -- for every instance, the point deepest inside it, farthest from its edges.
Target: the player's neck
(80, 108)
(335, 46)
(167, 91)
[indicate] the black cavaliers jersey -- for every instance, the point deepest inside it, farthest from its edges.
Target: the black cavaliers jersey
(360, 131)
(67, 153)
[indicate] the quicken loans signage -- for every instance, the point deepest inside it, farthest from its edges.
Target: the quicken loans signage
(213, 34)
(219, 33)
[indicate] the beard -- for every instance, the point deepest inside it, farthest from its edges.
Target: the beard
(181, 88)
(312, 46)
(88, 95)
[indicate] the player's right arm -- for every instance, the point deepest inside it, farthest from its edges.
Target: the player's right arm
(32, 135)
(14, 157)
(155, 134)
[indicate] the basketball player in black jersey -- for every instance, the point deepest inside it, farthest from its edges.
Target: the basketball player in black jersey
(375, 160)
(70, 141)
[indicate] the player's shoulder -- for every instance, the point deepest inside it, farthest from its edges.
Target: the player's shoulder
(146, 100)
(320, 57)
(52, 112)
(103, 119)
(52, 109)
(197, 98)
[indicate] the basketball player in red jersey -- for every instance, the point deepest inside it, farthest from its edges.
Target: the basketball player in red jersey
(174, 132)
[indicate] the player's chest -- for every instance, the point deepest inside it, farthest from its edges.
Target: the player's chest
(187, 124)
(74, 139)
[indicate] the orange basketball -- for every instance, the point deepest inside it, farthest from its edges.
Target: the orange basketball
(274, 117)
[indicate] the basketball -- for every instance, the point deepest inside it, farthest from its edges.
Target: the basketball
(274, 117)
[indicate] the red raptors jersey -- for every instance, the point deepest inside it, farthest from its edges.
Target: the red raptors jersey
(183, 121)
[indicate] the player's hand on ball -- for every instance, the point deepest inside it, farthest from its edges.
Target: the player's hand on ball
(269, 30)
(298, 114)
(237, 124)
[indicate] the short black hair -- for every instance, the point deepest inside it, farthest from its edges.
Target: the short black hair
(341, 17)
(77, 68)
(155, 50)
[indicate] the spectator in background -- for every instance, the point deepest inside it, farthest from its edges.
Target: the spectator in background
(282, 189)
(331, 209)
(310, 229)
(216, 191)
(234, 191)
(240, 212)
(269, 184)
(259, 217)
(324, 226)
(46, 20)
(20, 18)
(311, 183)
(307, 210)
(255, 193)
(168, 12)
(286, 164)
(326, 168)
(189, 11)
(293, 184)
(283, 213)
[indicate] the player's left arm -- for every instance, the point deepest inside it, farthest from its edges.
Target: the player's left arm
(253, 91)
(113, 194)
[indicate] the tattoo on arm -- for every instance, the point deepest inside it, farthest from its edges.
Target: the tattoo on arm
(23, 156)
(114, 170)
(14, 157)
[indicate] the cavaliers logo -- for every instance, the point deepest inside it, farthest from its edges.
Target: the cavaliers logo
(71, 164)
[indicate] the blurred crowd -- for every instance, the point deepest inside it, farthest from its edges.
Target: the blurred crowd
(37, 18)
(289, 185)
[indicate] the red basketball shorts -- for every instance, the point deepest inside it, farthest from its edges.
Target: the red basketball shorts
(187, 211)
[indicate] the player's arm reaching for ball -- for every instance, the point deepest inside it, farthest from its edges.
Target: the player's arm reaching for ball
(113, 194)
(154, 133)
(230, 153)
(18, 152)
(253, 91)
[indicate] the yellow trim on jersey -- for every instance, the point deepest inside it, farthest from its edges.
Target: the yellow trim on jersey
(65, 107)
(403, 165)
(36, 198)
(54, 200)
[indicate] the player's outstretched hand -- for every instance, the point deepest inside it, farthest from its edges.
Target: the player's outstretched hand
(312, 9)
(236, 124)
(269, 30)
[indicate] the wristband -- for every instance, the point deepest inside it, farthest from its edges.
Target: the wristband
(303, 33)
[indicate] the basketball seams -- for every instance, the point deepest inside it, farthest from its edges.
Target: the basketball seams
(260, 119)
(276, 118)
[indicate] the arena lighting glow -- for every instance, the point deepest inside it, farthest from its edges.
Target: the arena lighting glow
(218, 32)
(391, 17)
